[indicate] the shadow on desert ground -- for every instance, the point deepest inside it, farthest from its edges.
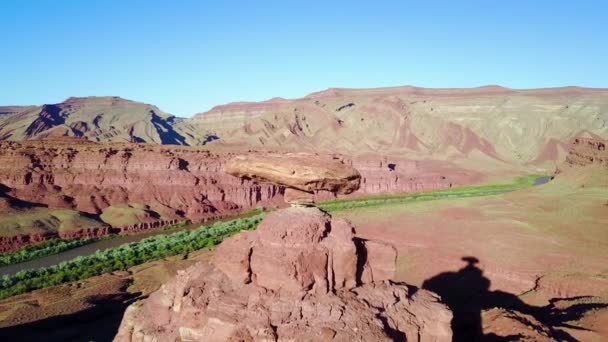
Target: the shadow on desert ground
(98, 323)
(467, 293)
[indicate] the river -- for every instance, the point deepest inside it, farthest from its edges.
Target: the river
(122, 239)
(101, 245)
(542, 180)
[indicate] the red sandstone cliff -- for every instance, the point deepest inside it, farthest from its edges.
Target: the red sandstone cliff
(176, 181)
(171, 183)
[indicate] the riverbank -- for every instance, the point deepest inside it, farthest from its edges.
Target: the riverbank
(108, 242)
(15, 272)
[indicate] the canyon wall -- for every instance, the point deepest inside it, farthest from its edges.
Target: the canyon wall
(150, 183)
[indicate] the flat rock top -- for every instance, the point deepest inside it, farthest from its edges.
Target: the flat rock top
(302, 171)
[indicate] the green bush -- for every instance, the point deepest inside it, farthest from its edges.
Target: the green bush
(124, 257)
(467, 191)
(45, 248)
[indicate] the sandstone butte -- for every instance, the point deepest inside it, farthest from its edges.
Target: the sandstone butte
(301, 276)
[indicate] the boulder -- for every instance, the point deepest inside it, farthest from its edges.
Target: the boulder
(378, 260)
(302, 171)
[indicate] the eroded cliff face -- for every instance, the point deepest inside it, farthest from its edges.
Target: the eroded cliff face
(134, 187)
(177, 181)
(173, 182)
(301, 276)
(588, 151)
(486, 125)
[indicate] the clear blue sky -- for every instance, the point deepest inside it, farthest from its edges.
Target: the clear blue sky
(187, 56)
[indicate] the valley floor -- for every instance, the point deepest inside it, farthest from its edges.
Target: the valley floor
(537, 254)
(539, 251)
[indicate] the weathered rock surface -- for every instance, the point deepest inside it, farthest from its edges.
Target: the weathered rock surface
(296, 278)
(100, 119)
(175, 183)
(172, 181)
(480, 126)
(588, 151)
(489, 123)
(302, 171)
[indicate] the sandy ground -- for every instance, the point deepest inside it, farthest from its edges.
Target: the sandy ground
(504, 264)
(88, 310)
(544, 249)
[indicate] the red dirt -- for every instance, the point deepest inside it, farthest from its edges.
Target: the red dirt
(300, 276)
(541, 250)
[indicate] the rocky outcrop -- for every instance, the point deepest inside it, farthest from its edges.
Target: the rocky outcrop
(588, 151)
(9, 243)
(174, 182)
(300, 171)
(178, 182)
(301, 276)
(302, 174)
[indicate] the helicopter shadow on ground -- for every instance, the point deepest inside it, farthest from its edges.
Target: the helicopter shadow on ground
(467, 293)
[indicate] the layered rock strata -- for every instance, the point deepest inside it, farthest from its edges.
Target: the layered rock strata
(174, 183)
(10, 243)
(301, 276)
(588, 151)
(302, 174)
(178, 181)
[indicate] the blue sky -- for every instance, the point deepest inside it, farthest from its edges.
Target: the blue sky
(187, 56)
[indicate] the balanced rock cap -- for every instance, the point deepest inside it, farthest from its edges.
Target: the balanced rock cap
(302, 171)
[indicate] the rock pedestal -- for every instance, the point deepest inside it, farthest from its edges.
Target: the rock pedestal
(301, 276)
(298, 197)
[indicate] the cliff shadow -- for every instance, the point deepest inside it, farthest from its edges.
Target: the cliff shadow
(361, 258)
(466, 292)
(98, 323)
(15, 202)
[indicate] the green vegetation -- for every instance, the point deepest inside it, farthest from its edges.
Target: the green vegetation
(42, 249)
(179, 224)
(56, 246)
(466, 191)
(160, 246)
(124, 257)
(253, 212)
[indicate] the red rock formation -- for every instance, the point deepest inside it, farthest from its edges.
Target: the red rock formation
(10, 243)
(587, 151)
(176, 180)
(301, 276)
(302, 171)
(177, 183)
(298, 277)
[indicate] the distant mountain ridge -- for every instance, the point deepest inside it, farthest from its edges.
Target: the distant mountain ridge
(489, 124)
(99, 119)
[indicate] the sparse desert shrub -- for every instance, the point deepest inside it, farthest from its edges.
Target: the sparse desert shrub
(45, 248)
(123, 257)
